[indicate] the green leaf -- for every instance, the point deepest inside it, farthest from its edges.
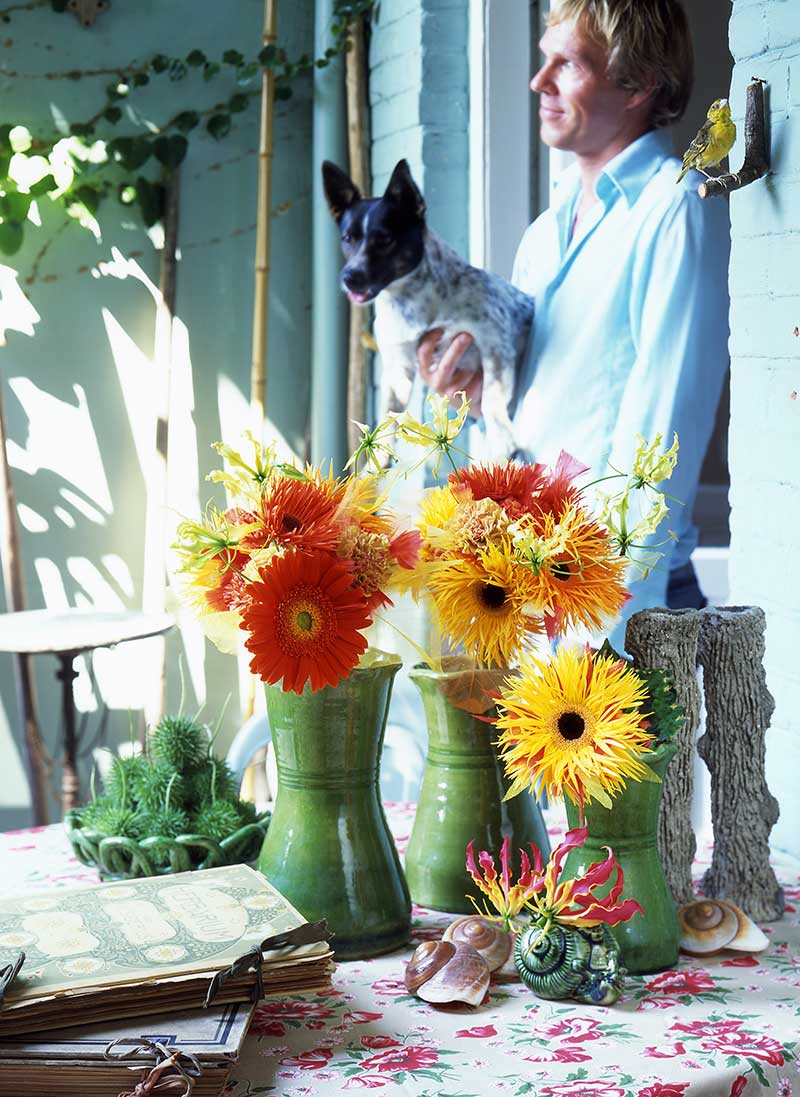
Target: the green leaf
(150, 197)
(5, 160)
(59, 5)
(239, 102)
(210, 70)
(131, 152)
(112, 114)
(233, 57)
(89, 197)
(267, 56)
(187, 120)
(177, 70)
(14, 206)
(246, 74)
(4, 139)
(117, 91)
(126, 193)
(219, 125)
(11, 237)
(283, 91)
(170, 151)
(81, 129)
(160, 63)
(139, 79)
(196, 58)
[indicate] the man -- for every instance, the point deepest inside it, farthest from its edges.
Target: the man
(628, 269)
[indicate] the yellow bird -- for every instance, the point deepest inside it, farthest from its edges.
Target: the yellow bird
(713, 142)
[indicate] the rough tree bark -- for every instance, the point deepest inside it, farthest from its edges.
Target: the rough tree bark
(667, 639)
(738, 711)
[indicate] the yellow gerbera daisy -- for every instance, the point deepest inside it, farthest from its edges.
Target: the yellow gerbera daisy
(482, 604)
(571, 724)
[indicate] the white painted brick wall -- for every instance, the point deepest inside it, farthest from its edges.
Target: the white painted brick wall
(765, 380)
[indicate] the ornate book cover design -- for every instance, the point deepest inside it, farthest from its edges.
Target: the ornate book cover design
(137, 931)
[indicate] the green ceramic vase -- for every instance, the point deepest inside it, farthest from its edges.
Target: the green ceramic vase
(328, 848)
(462, 790)
(647, 942)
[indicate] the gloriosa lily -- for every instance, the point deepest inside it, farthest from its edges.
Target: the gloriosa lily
(437, 436)
(539, 892)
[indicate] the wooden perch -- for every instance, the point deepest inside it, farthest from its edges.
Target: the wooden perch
(756, 159)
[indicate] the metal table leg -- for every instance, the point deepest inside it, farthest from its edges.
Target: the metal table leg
(70, 783)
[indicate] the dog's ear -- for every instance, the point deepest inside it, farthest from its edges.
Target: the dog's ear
(340, 191)
(404, 191)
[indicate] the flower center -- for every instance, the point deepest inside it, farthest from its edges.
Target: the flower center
(304, 621)
(571, 725)
(560, 570)
(491, 596)
(290, 523)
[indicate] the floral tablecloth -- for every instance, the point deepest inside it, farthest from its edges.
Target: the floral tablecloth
(725, 1027)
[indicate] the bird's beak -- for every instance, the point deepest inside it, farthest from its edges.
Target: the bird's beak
(723, 103)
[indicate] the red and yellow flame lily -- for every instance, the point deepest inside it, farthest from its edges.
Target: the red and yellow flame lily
(538, 890)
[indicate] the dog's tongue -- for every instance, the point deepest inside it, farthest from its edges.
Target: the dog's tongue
(357, 298)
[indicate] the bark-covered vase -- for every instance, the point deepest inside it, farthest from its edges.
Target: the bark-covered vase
(328, 847)
(463, 786)
(647, 942)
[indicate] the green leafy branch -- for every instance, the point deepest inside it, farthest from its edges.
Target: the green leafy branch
(79, 169)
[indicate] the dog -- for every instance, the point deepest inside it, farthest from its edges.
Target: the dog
(418, 283)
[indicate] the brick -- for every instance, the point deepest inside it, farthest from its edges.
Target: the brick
(748, 273)
(403, 35)
(785, 145)
(394, 74)
(387, 150)
(763, 327)
(783, 23)
(747, 33)
(393, 113)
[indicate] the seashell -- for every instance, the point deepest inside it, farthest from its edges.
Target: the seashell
(441, 971)
(492, 942)
(710, 925)
(570, 962)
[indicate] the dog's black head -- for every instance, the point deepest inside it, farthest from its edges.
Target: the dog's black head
(382, 238)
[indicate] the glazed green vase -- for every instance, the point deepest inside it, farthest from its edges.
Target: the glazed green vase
(328, 848)
(462, 792)
(647, 942)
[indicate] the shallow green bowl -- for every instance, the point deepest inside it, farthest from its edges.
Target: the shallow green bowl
(117, 858)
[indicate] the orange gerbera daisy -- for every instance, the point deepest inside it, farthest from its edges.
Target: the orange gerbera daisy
(297, 514)
(514, 486)
(305, 620)
(584, 584)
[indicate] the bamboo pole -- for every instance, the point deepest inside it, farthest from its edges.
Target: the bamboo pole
(258, 378)
(154, 583)
(358, 140)
(14, 584)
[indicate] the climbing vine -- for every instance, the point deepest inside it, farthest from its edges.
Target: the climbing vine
(91, 160)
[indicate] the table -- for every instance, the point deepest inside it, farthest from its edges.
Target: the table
(723, 1027)
(66, 634)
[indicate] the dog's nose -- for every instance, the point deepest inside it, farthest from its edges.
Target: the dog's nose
(354, 279)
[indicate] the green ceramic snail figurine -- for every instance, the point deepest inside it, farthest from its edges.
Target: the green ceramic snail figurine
(570, 962)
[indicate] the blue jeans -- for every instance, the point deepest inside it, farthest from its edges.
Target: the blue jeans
(683, 590)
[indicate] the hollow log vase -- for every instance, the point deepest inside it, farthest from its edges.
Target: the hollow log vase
(738, 711)
(667, 639)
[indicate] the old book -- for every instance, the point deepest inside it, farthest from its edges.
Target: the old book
(161, 943)
(73, 1061)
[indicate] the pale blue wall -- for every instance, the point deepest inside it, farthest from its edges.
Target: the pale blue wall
(214, 301)
(765, 381)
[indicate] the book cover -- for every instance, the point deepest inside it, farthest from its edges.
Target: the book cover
(110, 939)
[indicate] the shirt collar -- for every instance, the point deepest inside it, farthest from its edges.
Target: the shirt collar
(628, 173)
(631, 170)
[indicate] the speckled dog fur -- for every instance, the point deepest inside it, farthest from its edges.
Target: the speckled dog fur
(418, 283)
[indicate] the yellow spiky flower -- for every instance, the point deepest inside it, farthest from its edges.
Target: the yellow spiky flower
(483, 604)
(571, 725)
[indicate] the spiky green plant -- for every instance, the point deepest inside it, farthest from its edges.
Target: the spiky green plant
(247, 812)
(165, 822)
(217, 820)
(212, 780)
(668, 715)
(179, 741)
(120, 782)
(150, 790)
(113, 820)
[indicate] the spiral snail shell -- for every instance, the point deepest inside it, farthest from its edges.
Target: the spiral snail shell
(711, 925)
(492, 942)
(570, 962)
(442, 971)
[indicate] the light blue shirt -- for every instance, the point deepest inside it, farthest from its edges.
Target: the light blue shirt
(630, 330)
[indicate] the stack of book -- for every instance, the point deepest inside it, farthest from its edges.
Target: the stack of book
(115, 955)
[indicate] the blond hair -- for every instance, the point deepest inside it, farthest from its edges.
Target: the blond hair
(648, 45)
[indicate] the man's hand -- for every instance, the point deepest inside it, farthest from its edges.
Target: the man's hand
(455, 371)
